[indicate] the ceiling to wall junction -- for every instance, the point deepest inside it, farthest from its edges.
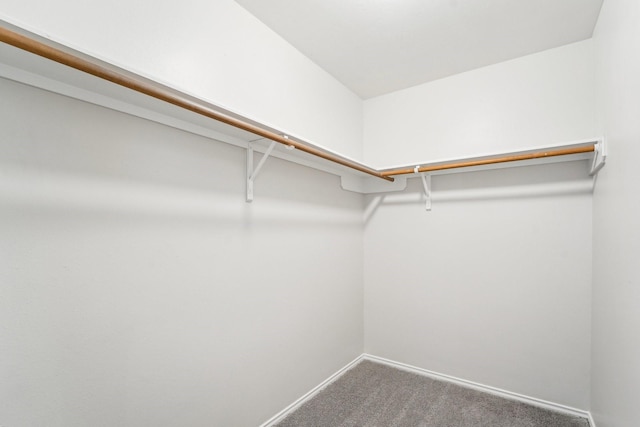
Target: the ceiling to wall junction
(379, 46)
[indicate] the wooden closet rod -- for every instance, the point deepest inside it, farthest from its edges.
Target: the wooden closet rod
(139, 84)
(92, 66)
(504, 159)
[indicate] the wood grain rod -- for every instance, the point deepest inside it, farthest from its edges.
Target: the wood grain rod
(162, 93)
(504, 159)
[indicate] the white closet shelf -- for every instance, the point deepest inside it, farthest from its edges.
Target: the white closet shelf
(36, 61)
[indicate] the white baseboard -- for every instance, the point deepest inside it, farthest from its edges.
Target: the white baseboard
(481, 387)
(295, 405)
(443, 377)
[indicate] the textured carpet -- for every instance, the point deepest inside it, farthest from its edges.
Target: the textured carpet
(375, 395)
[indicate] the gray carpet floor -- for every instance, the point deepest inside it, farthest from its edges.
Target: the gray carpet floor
(375, 395)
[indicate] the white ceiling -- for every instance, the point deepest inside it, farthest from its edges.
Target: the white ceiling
(380, 46)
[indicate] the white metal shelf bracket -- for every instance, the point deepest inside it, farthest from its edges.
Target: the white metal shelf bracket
(599, 157)
(252, 173)
(426, 184)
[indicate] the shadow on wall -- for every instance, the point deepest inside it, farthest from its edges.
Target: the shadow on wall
(546, 180)
(85, 159)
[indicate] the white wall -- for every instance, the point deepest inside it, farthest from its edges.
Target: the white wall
(537, 100)
(616, 291)
(213, 49)
(138, 287)
(128, 249)
(492, 285)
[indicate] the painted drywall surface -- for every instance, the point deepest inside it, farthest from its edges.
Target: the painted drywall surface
(138, 288)
(616, 290)
(215, 50)
(492, 286)
(537, 100)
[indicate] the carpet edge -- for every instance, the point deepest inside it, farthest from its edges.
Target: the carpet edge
(311, 393)
(484, 388)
